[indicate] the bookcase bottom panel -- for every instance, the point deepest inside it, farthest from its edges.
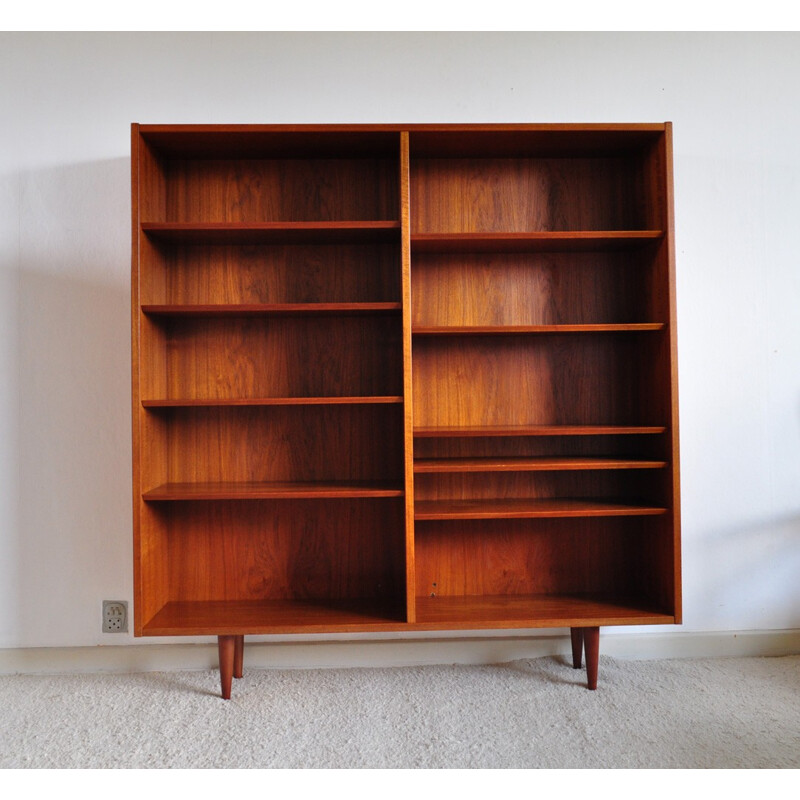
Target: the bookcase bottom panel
(219, 618)
(535, 611)
(253, 617)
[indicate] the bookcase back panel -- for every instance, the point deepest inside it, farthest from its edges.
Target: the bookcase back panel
(272, 190)
(327, 443)
(286, 549)
(626, 484)
(252, 357)
(457, 448)
(514, 557)
(206, 274)
(526, 194)
(561, 379)
(531, 288)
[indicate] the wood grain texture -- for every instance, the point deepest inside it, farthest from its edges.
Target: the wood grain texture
(271, 490)
(205, 617)
(222, 358)
(282, 189)
(371, 615)
(565, 379)
(197, 274)
(534, 508)
(525, 194)
(136, 291)
(530, 463)
(275, 141)
(533, 241)
(334, 549)
(495, 557)
(408, 415)
(270, 309)
(531, 289)
(672, 582)
(530, 140)
(329, 400)
(484, 431)
(597, 449)
(533, 611)
(272, 233)
(516, 330)
(283, 443)
(539, 484)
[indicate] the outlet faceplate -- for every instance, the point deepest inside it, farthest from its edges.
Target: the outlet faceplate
(115, 616)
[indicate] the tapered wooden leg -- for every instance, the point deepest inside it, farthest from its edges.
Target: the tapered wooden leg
(591, 641)
(227, 646)
(238, 656)
(577, 646)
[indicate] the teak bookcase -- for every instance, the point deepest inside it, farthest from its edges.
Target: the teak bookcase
(414, 377)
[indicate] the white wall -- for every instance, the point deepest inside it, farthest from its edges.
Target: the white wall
(66, 104)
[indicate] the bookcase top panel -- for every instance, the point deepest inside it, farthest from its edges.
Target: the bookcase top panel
(427, 140)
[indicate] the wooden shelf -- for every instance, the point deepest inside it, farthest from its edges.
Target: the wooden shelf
(529, 509)
(271, 490)
(275, 616)
(268, 309)
(540, 241)
(534, 611)
(534, 430)
(523, 464)
(516, 330)
(273, 401)
(338, 232)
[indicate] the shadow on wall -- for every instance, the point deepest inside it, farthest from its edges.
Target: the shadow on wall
(74, 410)
(754, 569)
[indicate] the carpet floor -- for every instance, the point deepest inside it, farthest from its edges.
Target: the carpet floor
(694, 713)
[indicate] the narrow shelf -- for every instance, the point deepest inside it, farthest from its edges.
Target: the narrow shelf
(274, 232)
(513, 330)
(222, 617)
(267, 309)
(272, 490)
(539, 241)
(448, 431)
(529, 509)
(535, 611)
(274, 401)
(531, 464)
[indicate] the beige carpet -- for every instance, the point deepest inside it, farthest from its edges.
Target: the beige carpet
(710, 713)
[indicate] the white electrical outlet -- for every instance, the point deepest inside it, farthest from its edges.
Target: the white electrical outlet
(115, 616)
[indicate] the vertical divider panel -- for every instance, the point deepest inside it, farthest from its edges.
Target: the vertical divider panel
(408, 416)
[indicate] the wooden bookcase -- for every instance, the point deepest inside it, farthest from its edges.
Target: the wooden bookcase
(403, 378)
